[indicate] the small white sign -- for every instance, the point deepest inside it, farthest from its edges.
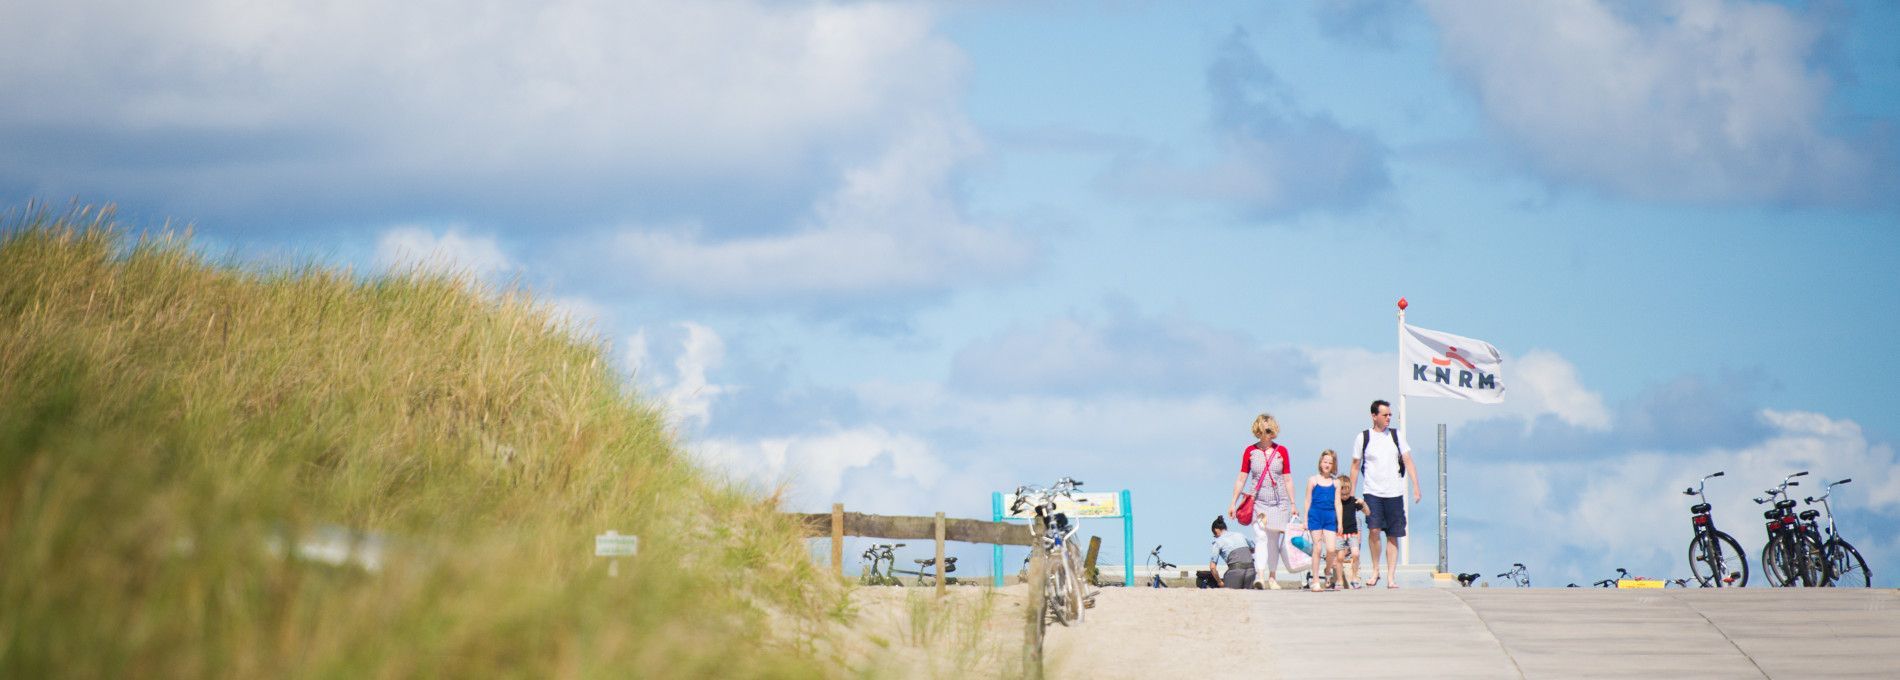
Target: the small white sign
(612, 544)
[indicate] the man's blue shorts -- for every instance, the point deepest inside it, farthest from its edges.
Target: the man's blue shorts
(1386, 514)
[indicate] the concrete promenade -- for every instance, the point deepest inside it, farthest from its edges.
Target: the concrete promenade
(1505, 633)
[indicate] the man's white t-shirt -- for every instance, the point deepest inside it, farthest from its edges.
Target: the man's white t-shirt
(1382, 463)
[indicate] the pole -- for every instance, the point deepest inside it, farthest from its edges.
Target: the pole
(1405, 543)
(996, 551)
(837, 540)
(1444, 509)
(1128, 539)
(943, 574)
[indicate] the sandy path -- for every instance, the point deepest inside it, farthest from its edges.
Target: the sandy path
(1162, 633)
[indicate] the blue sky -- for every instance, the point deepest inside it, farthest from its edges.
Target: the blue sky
(900, 255)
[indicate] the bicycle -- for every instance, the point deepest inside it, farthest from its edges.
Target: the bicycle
(881, 553)
(1063, 599)
(1845, 566)
(1621, 574)
(927, 571)
(1159, 565)
(1713, 555)
(1792, 554)
(1518, 576)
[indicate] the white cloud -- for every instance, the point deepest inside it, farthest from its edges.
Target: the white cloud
(360, 105)
(815, 466)
(1550, 384)
(892, 226)
(1692, 100)
(686, 396)
(450, 251)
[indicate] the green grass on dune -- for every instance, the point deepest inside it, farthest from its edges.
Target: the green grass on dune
(168, 424)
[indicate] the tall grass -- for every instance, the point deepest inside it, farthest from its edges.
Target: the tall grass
(169, 424)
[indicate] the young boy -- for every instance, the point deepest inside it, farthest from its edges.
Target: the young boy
(1349, 508)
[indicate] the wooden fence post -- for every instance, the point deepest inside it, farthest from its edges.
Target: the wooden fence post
(1032, 637)
(837, 539)
(1088, 565)
(941, 574)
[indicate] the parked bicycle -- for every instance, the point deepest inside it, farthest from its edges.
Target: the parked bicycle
(1063, 599)
(927, 571)
(1518, 576)
(1792, 556)
(1159, 565)
(1621, 574)
(1845, 568)
(880, 554)
(1715, 559)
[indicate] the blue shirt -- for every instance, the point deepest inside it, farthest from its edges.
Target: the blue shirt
(1230, 541)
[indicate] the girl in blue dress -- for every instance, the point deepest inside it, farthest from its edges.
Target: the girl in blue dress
(1322, 518)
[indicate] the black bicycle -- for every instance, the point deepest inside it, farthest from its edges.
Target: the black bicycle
(1845, 568)
(1792, 556)
(1715, 559)
(1621, 574)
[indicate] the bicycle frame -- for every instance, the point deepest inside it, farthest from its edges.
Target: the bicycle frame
(1785, 530)
(1518, 575)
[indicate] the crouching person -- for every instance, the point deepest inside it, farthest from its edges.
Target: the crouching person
(1235, 550)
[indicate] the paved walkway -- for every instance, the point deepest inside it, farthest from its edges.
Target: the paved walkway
(1503, 633)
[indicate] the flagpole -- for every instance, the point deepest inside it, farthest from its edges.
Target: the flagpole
(1405, 543)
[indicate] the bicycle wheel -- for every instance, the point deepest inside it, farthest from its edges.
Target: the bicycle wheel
(1714, 557)
(1846, 565)
(1734, 561)
(1774, 563)
(1072, 585)
(1705, 561)
(1055, 589)
(1812, 561)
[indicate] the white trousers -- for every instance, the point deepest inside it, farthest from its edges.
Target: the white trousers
(1268, 550)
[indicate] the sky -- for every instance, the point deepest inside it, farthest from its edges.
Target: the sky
(901, 255)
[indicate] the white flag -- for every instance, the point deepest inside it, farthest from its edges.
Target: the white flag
(1435, 364)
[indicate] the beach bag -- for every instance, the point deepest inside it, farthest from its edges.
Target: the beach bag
(1244, 513)
(1297, 558)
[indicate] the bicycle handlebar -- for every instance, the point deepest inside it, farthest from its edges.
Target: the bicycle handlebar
(1717, 474)
(1802, 473)
(1844, 481)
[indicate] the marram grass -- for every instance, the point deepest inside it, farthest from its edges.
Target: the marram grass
(169, 425)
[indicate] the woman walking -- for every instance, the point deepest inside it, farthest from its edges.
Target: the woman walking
(1263, 475)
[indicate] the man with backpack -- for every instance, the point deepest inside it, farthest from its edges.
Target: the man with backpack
(1384, 461)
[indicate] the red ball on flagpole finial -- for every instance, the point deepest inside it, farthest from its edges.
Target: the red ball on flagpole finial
(1401, 304)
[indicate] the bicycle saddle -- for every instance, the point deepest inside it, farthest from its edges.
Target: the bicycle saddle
(1784, 504)
(1771, 514)
(1699, 508)
(927, 561)
(1810, 514)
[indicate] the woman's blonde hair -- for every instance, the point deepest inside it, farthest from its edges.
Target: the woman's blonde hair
(1265, 423)
(1321, 465)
